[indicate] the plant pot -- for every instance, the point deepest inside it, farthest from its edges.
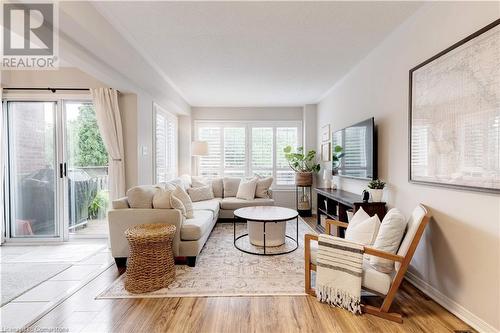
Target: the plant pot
(303, 178)
(376, 194)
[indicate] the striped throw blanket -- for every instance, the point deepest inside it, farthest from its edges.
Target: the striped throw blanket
(338, 272)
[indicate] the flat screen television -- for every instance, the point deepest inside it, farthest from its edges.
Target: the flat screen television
(359, 147)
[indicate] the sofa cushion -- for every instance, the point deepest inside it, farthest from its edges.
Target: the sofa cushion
(121, 203)
(233, 203)
(196, 227)
(198, 181)
(212, 205)
(246, 189)
(371, 278)
(141, 196)
(231, 185)
(200, 193)
(262, 189)
(217, 187)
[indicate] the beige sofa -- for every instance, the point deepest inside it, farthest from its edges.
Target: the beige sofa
(191, 234)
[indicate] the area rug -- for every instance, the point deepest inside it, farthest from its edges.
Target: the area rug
(18, 278)
(222, 270)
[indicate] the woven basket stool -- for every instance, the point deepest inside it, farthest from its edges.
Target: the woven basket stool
(151, 262)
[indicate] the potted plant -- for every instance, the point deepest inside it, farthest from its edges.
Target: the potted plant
(337, 154)
(376, 189)
(304, 165)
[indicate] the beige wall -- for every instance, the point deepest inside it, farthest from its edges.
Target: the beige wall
(458, 260)
(67, 77)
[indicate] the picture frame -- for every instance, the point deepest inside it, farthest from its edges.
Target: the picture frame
(326, 152)
(325, 133)
(452, 115)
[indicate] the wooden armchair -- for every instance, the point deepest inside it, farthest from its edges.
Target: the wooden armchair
(385, 285)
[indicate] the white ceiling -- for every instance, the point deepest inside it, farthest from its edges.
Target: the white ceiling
(254, 53)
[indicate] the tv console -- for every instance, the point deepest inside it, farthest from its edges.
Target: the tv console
(336, 203)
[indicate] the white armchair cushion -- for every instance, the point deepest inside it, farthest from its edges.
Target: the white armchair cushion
(389, 238)
(180, 194)
(200, 193)
(141, 196)
(246, 189)
(362, 228)
(262, 189)
(231, 185)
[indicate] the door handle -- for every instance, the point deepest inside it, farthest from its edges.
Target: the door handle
(61, 170)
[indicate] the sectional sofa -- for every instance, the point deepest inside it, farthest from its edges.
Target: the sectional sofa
(192, 233)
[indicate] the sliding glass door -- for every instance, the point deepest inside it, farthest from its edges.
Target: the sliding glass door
(33, 170)
(57, 171)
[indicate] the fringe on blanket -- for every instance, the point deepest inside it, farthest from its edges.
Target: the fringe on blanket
(339, 298)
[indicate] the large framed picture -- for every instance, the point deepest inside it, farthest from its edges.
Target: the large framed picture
(454, 115)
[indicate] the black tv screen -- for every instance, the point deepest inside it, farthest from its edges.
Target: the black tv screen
(358, 143)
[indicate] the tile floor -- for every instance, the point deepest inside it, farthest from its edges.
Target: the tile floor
(89, 258)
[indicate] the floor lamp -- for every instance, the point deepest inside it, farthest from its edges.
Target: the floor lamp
(198, 148)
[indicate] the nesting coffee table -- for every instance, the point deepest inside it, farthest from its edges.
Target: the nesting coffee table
(266, 228)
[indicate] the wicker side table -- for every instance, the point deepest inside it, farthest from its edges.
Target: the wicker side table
(151, 262)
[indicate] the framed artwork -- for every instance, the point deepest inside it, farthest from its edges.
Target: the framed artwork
(454, 115)
(325, 133)
(326, 152)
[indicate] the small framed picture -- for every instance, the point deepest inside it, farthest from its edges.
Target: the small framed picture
(325, 133)
(325, 152)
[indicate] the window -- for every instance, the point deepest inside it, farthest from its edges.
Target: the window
(239, 149)
(165, 145)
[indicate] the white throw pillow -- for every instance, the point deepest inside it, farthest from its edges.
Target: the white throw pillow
(180, 194)
(198, 181)
(246, 190)
(176, 203)
(200, 193)
(231, 186)
(362, 230)
(161, 199)
(141, 196)
(389, 238)
(262, 189)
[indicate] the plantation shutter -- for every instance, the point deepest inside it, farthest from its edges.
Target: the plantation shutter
(165, 145)
(210, 165)
(234, 152)
(285, 136)
(262, 151)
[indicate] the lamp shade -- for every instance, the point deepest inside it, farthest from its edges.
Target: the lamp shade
(199, 148)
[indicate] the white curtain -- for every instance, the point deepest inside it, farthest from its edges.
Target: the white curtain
(110, 126)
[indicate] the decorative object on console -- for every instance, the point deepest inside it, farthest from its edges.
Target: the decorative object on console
(337, 154)
(366, 195)
(327, 180)
(376, 189)
(453, 115)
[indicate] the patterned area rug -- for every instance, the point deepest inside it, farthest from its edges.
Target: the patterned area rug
(222, 270)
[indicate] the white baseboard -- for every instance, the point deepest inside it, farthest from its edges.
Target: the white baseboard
(450, 305)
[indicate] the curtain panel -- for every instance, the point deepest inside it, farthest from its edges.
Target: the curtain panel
(110, 125)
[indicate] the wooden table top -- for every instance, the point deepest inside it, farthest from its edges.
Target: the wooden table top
(266, 213)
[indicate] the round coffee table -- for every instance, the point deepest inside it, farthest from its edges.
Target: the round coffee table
(264, 215)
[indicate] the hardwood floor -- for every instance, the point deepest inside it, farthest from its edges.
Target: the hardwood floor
(82, 313)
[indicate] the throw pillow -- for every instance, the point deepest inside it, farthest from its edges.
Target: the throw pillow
(182, 195)
(176, 203)
(246, 190)
(363, 232)
(141, 196)
(262, 189)
(217, 187)
(389, 238)
(197, 181)
(200, 193)
(186, 181)
(161, 199)
(231, 185)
